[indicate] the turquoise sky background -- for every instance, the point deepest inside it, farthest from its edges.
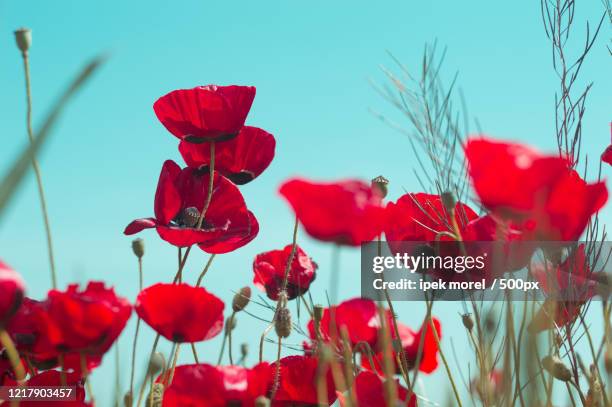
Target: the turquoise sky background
(311, 63)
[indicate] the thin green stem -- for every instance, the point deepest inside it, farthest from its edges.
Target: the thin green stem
(37, 172)
(133, 372)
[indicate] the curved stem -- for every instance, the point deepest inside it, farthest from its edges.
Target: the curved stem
(229, 337)
(205, 270)
(37, 172)
(13, 355)
(291, 256)
(277, 370)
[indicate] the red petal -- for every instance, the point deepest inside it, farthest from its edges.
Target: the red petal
(345, 212)
(167, 197)
(241, 159)
(171, 309)
(139, 225)
(205, 113)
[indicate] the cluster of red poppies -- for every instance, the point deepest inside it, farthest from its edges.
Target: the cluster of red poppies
(528, 196)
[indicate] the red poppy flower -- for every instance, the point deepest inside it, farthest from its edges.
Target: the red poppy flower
(29, 328)
(410, 343)
(421, 217)
(53, 378)
(370, 392)
(171, 309)
(179, 200)
(240, 159)
(269, 268)
(205, 113)
(519, 183)
(217, 386)
(606, 156)
(568, 286)
(86, 321)
(359, 316)
(345, 212)
(12, 288)
(298, 382)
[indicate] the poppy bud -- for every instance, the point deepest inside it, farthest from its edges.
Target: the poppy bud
(448, 200)
(190, 216)
(282, 324)
(128, 399)
(244, 350)
(468, 322)
(381, 184)
(262, 401)
(557, 368)
(23, 37)
(241, 299)
(156, 363)
(490, 323)
(138, 247)
(155, 398)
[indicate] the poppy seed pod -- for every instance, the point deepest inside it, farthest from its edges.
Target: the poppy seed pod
(282, 324)
(468, 322)
(23, 37)
(138, 247)
(156, 364)
(262, 401)
(241, 299)
(382, 184)
(190, 216)
(557, 368)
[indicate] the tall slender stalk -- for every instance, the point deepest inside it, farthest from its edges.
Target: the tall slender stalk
(37, 172)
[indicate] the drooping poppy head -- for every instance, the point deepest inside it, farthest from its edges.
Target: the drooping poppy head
(370, 392)
(205, 113)
(520, 184)
(180, 312)
(345, 212)
(12, 289)
(358, 316)
(298, 382)
(269, 269)
(180, 198)
(215, 386)
(85, 321)
(241, 159)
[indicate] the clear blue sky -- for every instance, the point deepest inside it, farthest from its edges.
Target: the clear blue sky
(311, 63)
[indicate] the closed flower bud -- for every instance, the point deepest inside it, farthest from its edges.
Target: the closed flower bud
(381, 184)
(138, 247)
(557, 368)
(448, 200)
(244, 350)
(156, 364)
(282, 324)
(23, 37)
(128, 399)
(262, 401)
(190, 216)
(468, 322)
(241, 299)
(156, 396)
